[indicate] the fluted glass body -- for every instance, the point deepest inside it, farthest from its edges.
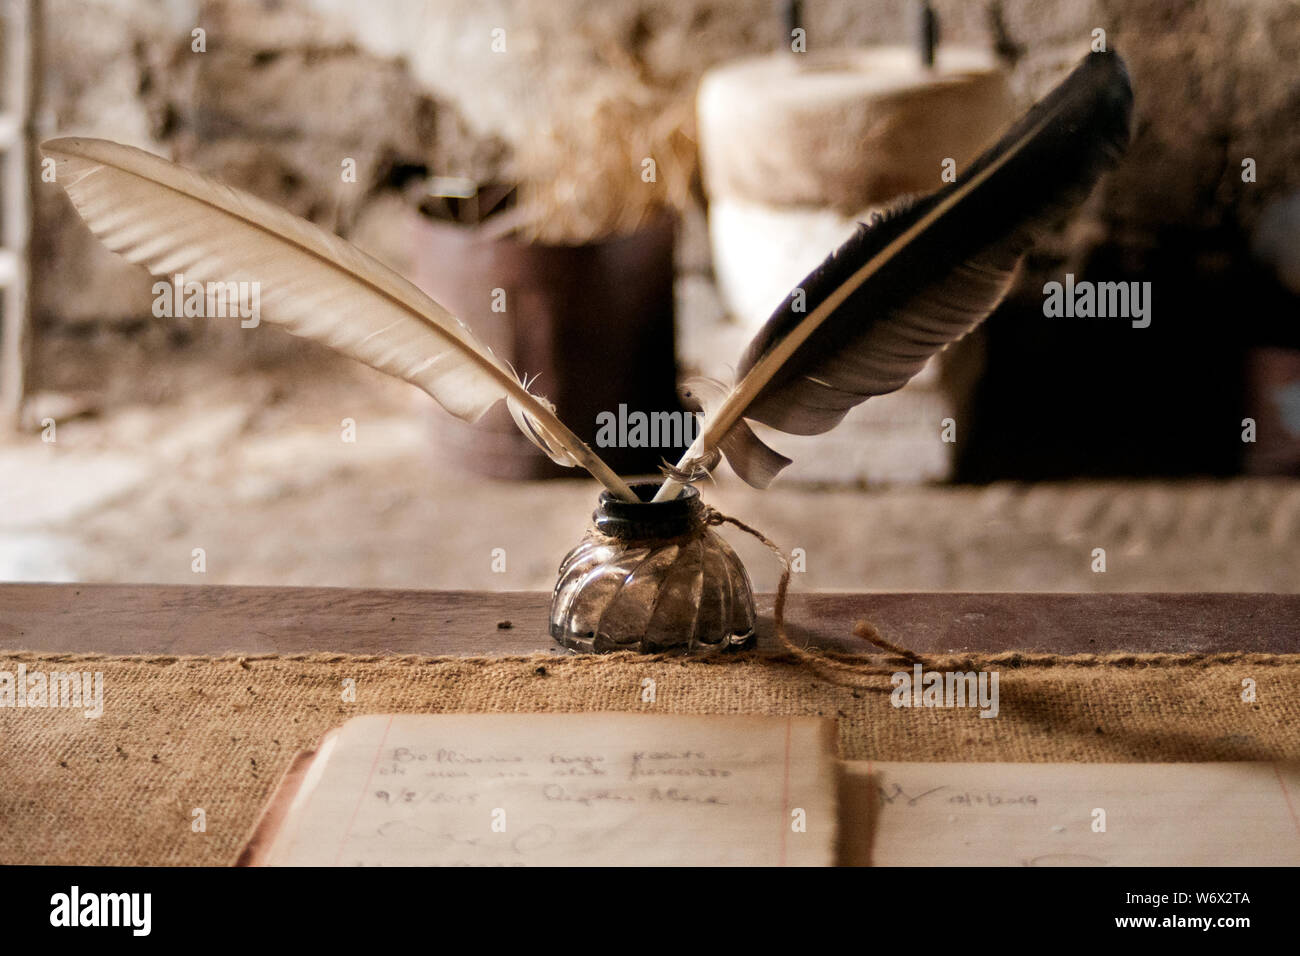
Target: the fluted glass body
(652, 577)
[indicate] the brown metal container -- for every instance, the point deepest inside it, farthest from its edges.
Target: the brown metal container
(593, 323)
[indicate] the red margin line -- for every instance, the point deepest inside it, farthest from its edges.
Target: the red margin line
(1287, 796)
(362, 795)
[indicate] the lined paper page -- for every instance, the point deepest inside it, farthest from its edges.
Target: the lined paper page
(556, 789)
(981, 814)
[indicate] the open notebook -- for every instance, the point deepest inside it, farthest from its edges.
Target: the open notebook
(539, 789)
(633, 789)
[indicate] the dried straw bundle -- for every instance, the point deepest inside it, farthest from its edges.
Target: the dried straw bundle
(615, 158)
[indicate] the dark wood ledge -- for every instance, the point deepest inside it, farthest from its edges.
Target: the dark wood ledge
(209, 620)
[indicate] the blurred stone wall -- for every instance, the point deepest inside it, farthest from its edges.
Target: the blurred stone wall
(1216, 80)
(287, 88)
(275, 102)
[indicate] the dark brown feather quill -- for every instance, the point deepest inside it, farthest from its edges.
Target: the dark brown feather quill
(918, 277)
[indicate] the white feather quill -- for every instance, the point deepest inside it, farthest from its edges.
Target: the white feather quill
(312, 283)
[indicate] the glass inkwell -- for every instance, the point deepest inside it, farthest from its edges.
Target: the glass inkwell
(652, 576)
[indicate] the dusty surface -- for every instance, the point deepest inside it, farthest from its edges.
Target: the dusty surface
(251, 467)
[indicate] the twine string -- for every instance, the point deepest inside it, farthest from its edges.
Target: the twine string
(855, 673)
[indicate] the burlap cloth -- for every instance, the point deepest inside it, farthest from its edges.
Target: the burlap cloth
(215, 733)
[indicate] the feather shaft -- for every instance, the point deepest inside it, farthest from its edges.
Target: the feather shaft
(920, 277)
(313, 283)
